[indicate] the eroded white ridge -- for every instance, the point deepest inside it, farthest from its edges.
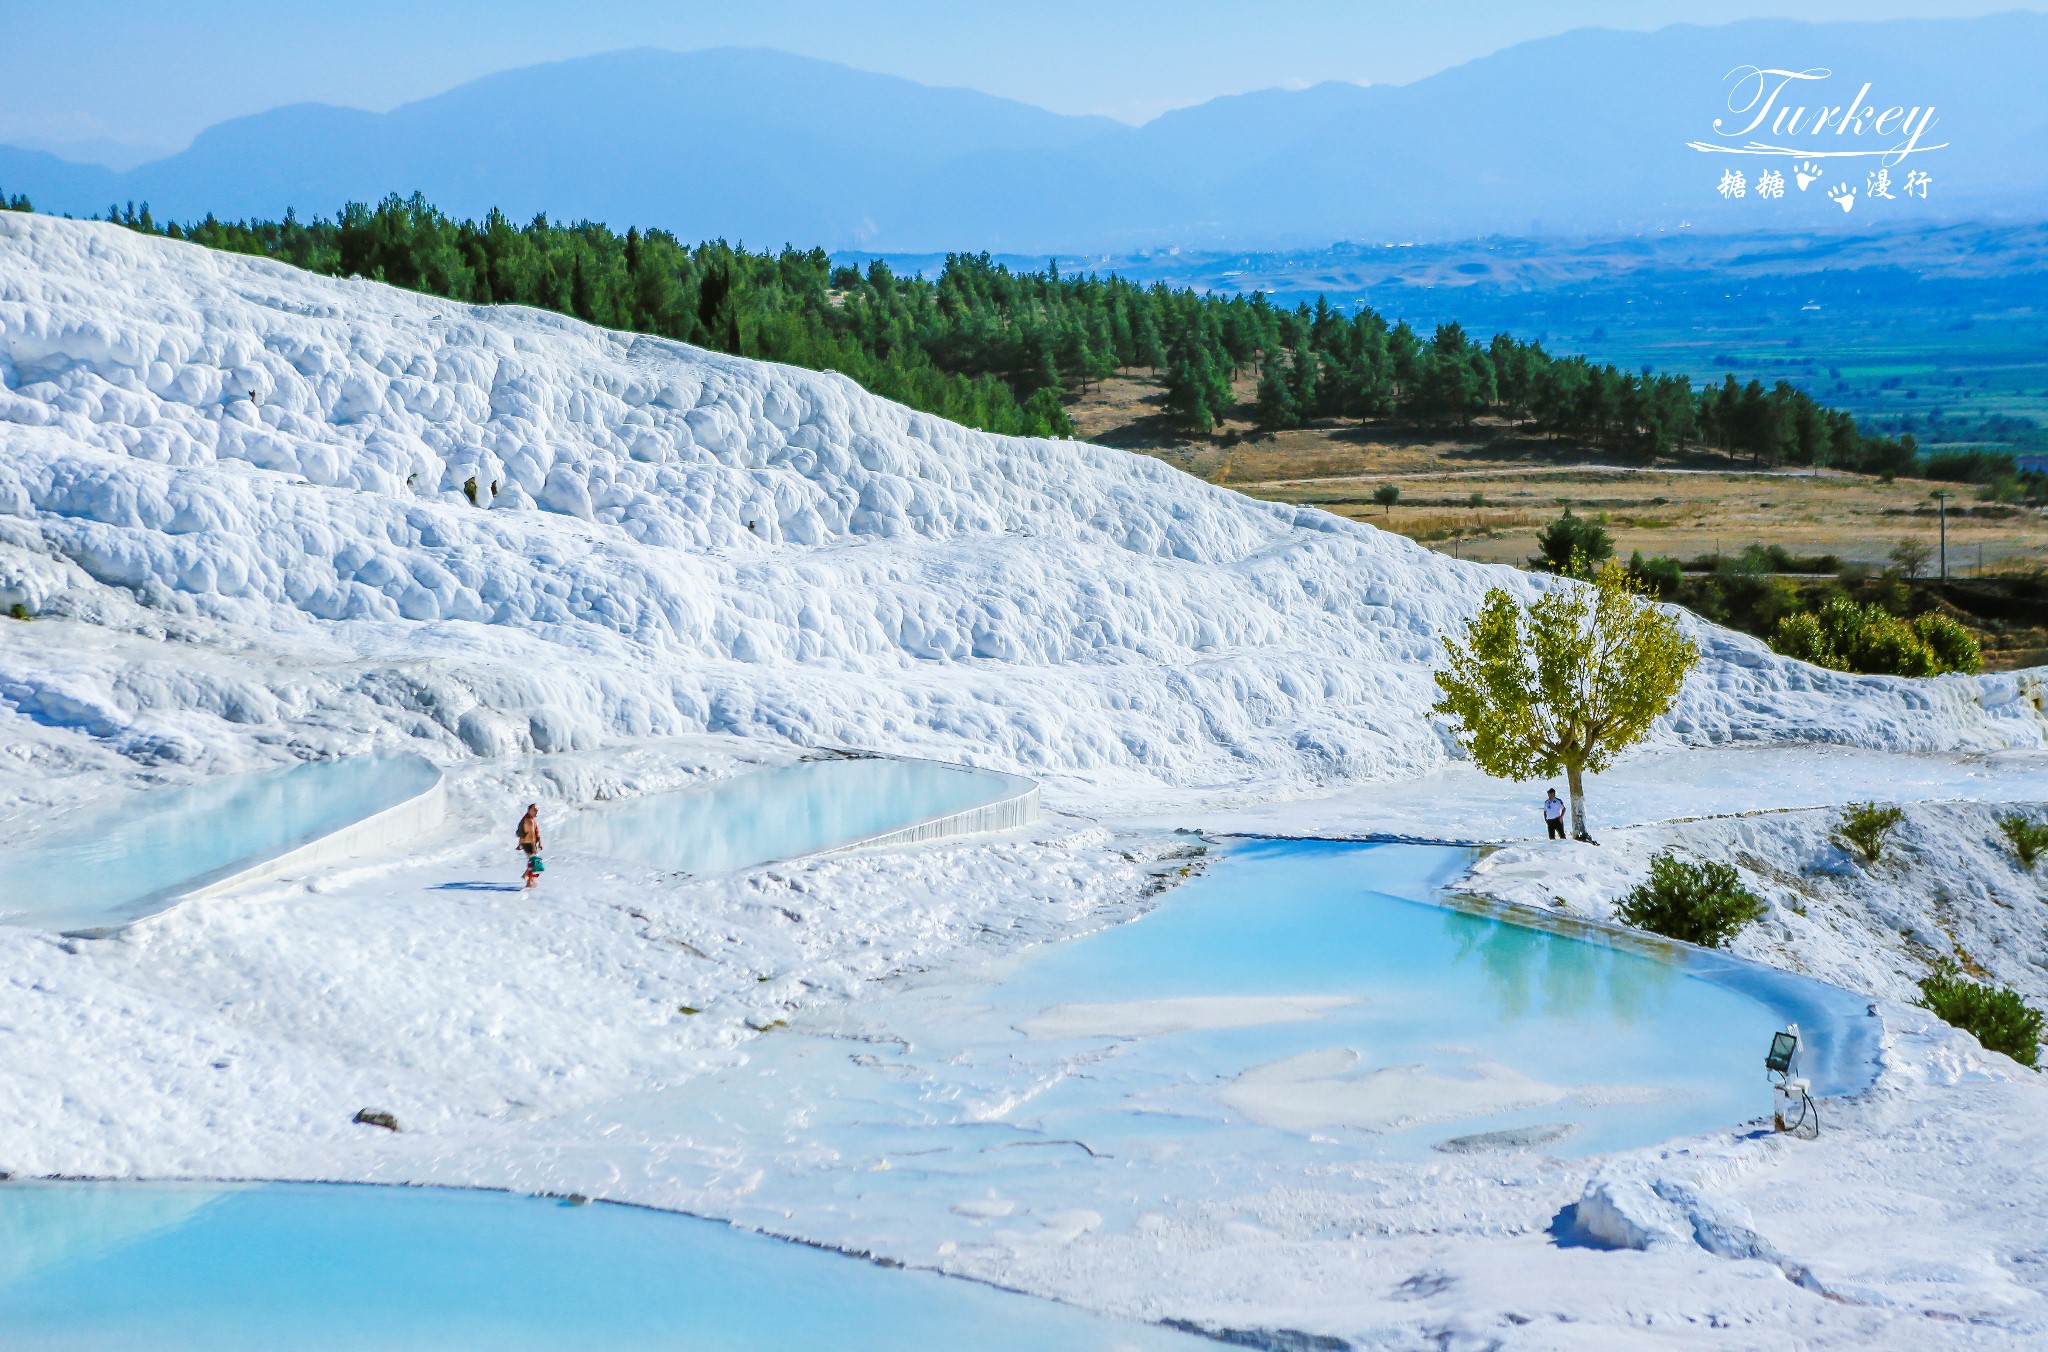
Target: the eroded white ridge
(240, 495)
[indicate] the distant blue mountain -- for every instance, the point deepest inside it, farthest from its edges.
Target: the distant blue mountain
(99, 150)
(1584, 133)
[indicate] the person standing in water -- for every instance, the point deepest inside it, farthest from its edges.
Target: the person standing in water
(529, 843)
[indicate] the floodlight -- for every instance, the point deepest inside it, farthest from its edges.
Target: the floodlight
(1778, 1061)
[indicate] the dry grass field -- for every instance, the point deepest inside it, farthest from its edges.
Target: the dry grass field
(1485, 493)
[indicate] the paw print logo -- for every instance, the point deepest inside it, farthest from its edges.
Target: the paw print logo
(1805, 172)
(1843, 196)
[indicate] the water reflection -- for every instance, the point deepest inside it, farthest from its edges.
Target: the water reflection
(1289, 984)
(115, 861)
(43, 1225)
(779, 813)
(1529, 971)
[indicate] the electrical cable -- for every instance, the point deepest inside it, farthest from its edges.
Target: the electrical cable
(1808, 1109)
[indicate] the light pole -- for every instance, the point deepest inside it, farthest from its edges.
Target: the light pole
(1940, 496)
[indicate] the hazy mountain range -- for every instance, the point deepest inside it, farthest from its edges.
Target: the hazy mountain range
(1585, 133)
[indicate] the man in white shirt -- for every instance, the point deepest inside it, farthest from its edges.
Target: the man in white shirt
(1553, 815)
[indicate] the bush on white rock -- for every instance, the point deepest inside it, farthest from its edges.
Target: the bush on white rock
(235, 494)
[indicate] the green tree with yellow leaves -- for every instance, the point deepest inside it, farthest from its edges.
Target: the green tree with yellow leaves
(1564, 682)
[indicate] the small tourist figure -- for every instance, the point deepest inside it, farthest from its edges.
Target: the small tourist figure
(1553, 815)
(529, 844)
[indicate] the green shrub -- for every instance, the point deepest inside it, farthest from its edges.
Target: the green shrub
(1844, 636)
(1829, 637)
(1658, 575)
(1954, 647)
(1702, 903)
(1840, 620)
(2028, 839)
(1741, 592)
(1996, 1016)
(1778, 559)
(1865, 825)
(1886, 645)
(1801, 638)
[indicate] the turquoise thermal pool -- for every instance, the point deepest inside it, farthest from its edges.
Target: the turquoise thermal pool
(186, 1267)
(1299, 999)
(1300, 1006)
(115, 862)
(782, 813)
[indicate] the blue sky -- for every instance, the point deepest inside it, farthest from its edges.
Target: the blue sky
(154, 72)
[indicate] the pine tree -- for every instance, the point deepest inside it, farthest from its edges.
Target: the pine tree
(1302, 380)
(1275, 406)
(1572, 545)
(1187, 392)
(1403, 351)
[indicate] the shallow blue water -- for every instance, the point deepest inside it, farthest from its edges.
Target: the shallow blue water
(312, 1268)
(1454, 1026)
(1647, 1049)
(1443, 1030)
(114, 862)
(781, 813)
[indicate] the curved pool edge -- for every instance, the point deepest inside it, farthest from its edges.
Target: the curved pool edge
(1020, 806)
(397, 824)
(869, 1257)
(1846, 1060)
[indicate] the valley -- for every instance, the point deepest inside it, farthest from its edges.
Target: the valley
(1485, 493)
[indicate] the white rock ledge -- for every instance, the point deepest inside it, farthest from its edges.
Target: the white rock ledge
(399, 824)
(1018, 806)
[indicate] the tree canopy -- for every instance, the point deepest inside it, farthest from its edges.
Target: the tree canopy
(1563, 683)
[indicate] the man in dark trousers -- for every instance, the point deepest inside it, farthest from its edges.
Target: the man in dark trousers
(1553, 815)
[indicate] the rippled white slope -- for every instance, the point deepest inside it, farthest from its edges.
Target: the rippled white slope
(682, 541)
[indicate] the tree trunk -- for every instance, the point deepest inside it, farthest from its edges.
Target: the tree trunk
(1577, 790)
